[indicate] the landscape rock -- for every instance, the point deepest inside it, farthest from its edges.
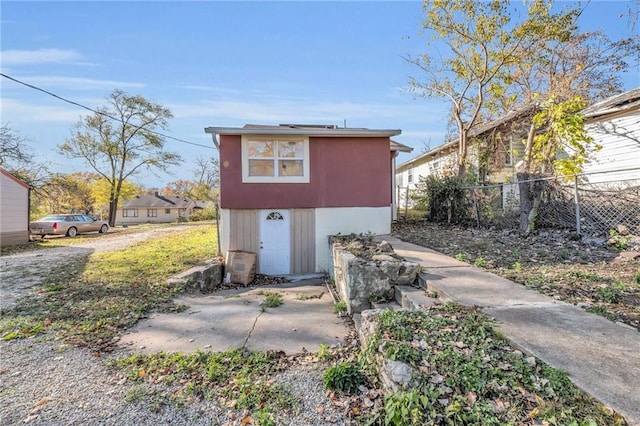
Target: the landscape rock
(385, 247)
(395, 375)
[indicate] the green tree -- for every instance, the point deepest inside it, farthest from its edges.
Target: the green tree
(101, 194)
(478, 45)
(559, 72)
(120, 140)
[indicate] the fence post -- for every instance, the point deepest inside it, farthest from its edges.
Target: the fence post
(576, 198)
(406, 203)
(475, 208)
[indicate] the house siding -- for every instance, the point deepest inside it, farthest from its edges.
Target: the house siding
(333, 182)
(333, 221)
(14, 200)
(619, 158)
(303, 254)
(241, 228)
(162, 217)
(244, 230)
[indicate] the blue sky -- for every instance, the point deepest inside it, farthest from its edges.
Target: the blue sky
(227, 64)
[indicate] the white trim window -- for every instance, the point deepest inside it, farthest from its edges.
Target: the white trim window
(281, 160)
(129, 212)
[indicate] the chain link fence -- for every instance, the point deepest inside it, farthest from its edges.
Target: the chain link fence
(589, 204)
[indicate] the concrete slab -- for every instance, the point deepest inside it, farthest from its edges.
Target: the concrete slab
(601, 357)
(235, 318)
(473, 286)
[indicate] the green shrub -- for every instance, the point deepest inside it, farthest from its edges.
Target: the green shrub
(345, 377)
(444, 199)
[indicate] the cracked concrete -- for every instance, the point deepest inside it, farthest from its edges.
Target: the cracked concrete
(235, 318)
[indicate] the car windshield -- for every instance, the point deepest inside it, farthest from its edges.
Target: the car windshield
(52, 218)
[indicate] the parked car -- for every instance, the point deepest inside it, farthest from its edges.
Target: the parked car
(67, 224)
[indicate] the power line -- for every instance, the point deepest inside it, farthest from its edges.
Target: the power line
(31, 86)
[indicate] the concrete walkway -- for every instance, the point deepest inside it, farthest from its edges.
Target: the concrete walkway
(236, 318)
(600, 356)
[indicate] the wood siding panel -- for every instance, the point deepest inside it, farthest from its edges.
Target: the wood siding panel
(620, 148)
(303, 241)
(344, 172)
(244, 230)
(14, 202)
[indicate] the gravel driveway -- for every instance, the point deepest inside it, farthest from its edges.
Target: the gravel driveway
(45, 382)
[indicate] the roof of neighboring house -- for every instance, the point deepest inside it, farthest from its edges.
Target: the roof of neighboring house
(162, 201)
(474, 132)
(13, 178)
(329, 130)
(613, 105)
(397, 146)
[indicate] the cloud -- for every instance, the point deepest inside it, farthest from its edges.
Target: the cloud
(77, 83)
(39, 56)
(17, 111)
(303, 110)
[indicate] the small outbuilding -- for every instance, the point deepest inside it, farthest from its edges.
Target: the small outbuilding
(285, 189)
(14, 209)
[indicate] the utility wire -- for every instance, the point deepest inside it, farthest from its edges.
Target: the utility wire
(31, 86)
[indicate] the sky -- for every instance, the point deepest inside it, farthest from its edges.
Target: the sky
(218, 63)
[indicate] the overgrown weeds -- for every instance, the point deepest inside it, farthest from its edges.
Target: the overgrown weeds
(465, 373)
(236, 379)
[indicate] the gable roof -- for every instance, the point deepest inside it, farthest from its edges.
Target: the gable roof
(397, 146)
(160, 201)
(476, 131)
(328, 130)
(615, 104)
(13, 178)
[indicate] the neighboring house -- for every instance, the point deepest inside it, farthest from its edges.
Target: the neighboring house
(155, 208)
(614, 124)
(14, 210)
(503, 138)
(285, 189)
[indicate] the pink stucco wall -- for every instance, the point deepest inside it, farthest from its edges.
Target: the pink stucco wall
(344, 172)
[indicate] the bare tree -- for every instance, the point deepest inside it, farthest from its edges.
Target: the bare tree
(120, 140)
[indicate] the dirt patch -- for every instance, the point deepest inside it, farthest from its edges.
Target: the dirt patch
(598, 278)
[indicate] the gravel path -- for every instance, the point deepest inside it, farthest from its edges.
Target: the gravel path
(44, 382)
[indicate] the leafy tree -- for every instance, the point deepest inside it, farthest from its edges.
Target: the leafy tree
(559, 72)
(14, 148)
(479, 44)
(101, 194)
(207, 178)
(204, 187)
(17, 157)
(179, 188)
(120, 140)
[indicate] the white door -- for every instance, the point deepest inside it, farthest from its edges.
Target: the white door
(275, 242)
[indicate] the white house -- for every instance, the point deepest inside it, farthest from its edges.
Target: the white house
(14, 210)
(614, 124)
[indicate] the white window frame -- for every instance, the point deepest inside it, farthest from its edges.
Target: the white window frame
(305, 178)
(129, 212)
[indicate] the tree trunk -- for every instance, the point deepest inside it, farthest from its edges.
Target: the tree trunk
(113, 209)
(530, 199)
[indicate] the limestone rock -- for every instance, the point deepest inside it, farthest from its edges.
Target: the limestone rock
(385, 247)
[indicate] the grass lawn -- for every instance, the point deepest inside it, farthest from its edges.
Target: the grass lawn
(91, 300)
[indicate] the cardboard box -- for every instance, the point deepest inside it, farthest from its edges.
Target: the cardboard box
(241, 265)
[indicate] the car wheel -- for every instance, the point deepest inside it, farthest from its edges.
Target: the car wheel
(103, 229)
(72, 232)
